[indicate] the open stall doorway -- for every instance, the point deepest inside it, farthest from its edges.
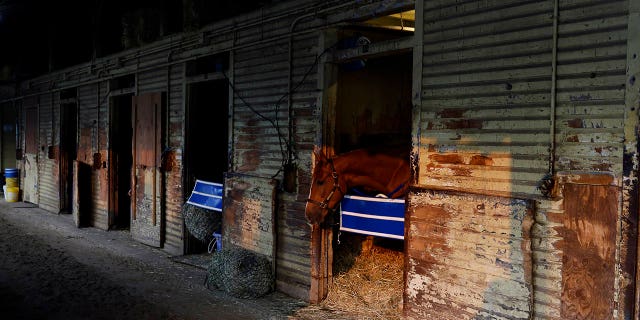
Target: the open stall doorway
(206, 140)
(121, 132)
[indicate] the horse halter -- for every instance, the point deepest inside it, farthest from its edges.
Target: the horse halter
(336, 186)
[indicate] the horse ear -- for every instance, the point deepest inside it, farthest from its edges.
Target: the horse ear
(317, 152)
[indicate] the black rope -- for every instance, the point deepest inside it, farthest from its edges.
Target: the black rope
(274, 124)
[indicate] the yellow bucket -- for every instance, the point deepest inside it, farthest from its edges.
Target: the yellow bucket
(12, 182)
(11, 195)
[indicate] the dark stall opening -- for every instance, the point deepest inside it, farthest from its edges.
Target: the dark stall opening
(373, 110)
(207, 140)
(121, 134)
(68, 152)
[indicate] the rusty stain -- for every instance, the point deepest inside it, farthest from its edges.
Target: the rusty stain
(589, 251)
(463, 124)
(588, 178)
(598, 150)
(451, 113)
(437, 222)
(572, 139)
(602, 167)
(461, 172)
(575, 123)
(447, 158)
(169, 161)
(430, 125)
(53, 152)
(480, 160)
(251, 160)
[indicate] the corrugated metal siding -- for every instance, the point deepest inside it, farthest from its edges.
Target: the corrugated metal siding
(486, 108)
(260, 80)
(101, 174)
(48, 170)
(92, 146)
(154, 80)
(293, 232)
(174, 237)
(592, 49)
(589, 126)
(47, 195)
(486, 92)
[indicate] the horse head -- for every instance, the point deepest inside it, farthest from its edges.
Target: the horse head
(327, 189)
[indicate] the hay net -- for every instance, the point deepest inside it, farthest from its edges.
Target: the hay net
(201, 222)
(241, 273)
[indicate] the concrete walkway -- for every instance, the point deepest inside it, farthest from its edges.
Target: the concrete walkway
(49, 269)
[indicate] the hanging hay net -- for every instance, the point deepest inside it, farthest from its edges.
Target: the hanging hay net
(201, 222)
(241, 273)
(367, 284)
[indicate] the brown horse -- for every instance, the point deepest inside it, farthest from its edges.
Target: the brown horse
(381, 171)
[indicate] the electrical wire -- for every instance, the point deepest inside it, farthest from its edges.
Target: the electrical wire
(281, 137)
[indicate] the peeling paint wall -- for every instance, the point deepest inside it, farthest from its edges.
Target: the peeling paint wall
(512, 91)
(468, 257)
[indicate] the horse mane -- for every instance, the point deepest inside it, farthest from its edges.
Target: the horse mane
(395, 151)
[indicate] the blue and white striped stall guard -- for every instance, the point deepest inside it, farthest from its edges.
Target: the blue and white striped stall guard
(379, 217)
(207, 195)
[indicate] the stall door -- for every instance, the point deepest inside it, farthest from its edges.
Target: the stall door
(146, 210)
(30, 184)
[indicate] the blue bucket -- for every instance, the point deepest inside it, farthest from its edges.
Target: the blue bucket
(11, 172)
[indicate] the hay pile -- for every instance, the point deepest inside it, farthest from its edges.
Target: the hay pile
(241, 273)
(201, 222)
(372, 287)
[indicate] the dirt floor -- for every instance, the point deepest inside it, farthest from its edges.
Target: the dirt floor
(49, 269)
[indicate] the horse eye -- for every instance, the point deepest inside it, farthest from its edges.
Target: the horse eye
(320, 182)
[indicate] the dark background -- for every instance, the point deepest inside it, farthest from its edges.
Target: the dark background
(39, 36)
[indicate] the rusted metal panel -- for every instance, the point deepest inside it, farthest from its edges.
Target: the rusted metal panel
(248, 214)
(468, 256)
(31, 128)
(589, 247)
(147, 109)
(147, 187)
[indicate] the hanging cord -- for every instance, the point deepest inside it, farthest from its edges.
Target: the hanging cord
(273, 124)
(282, 140)
(212, 245)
